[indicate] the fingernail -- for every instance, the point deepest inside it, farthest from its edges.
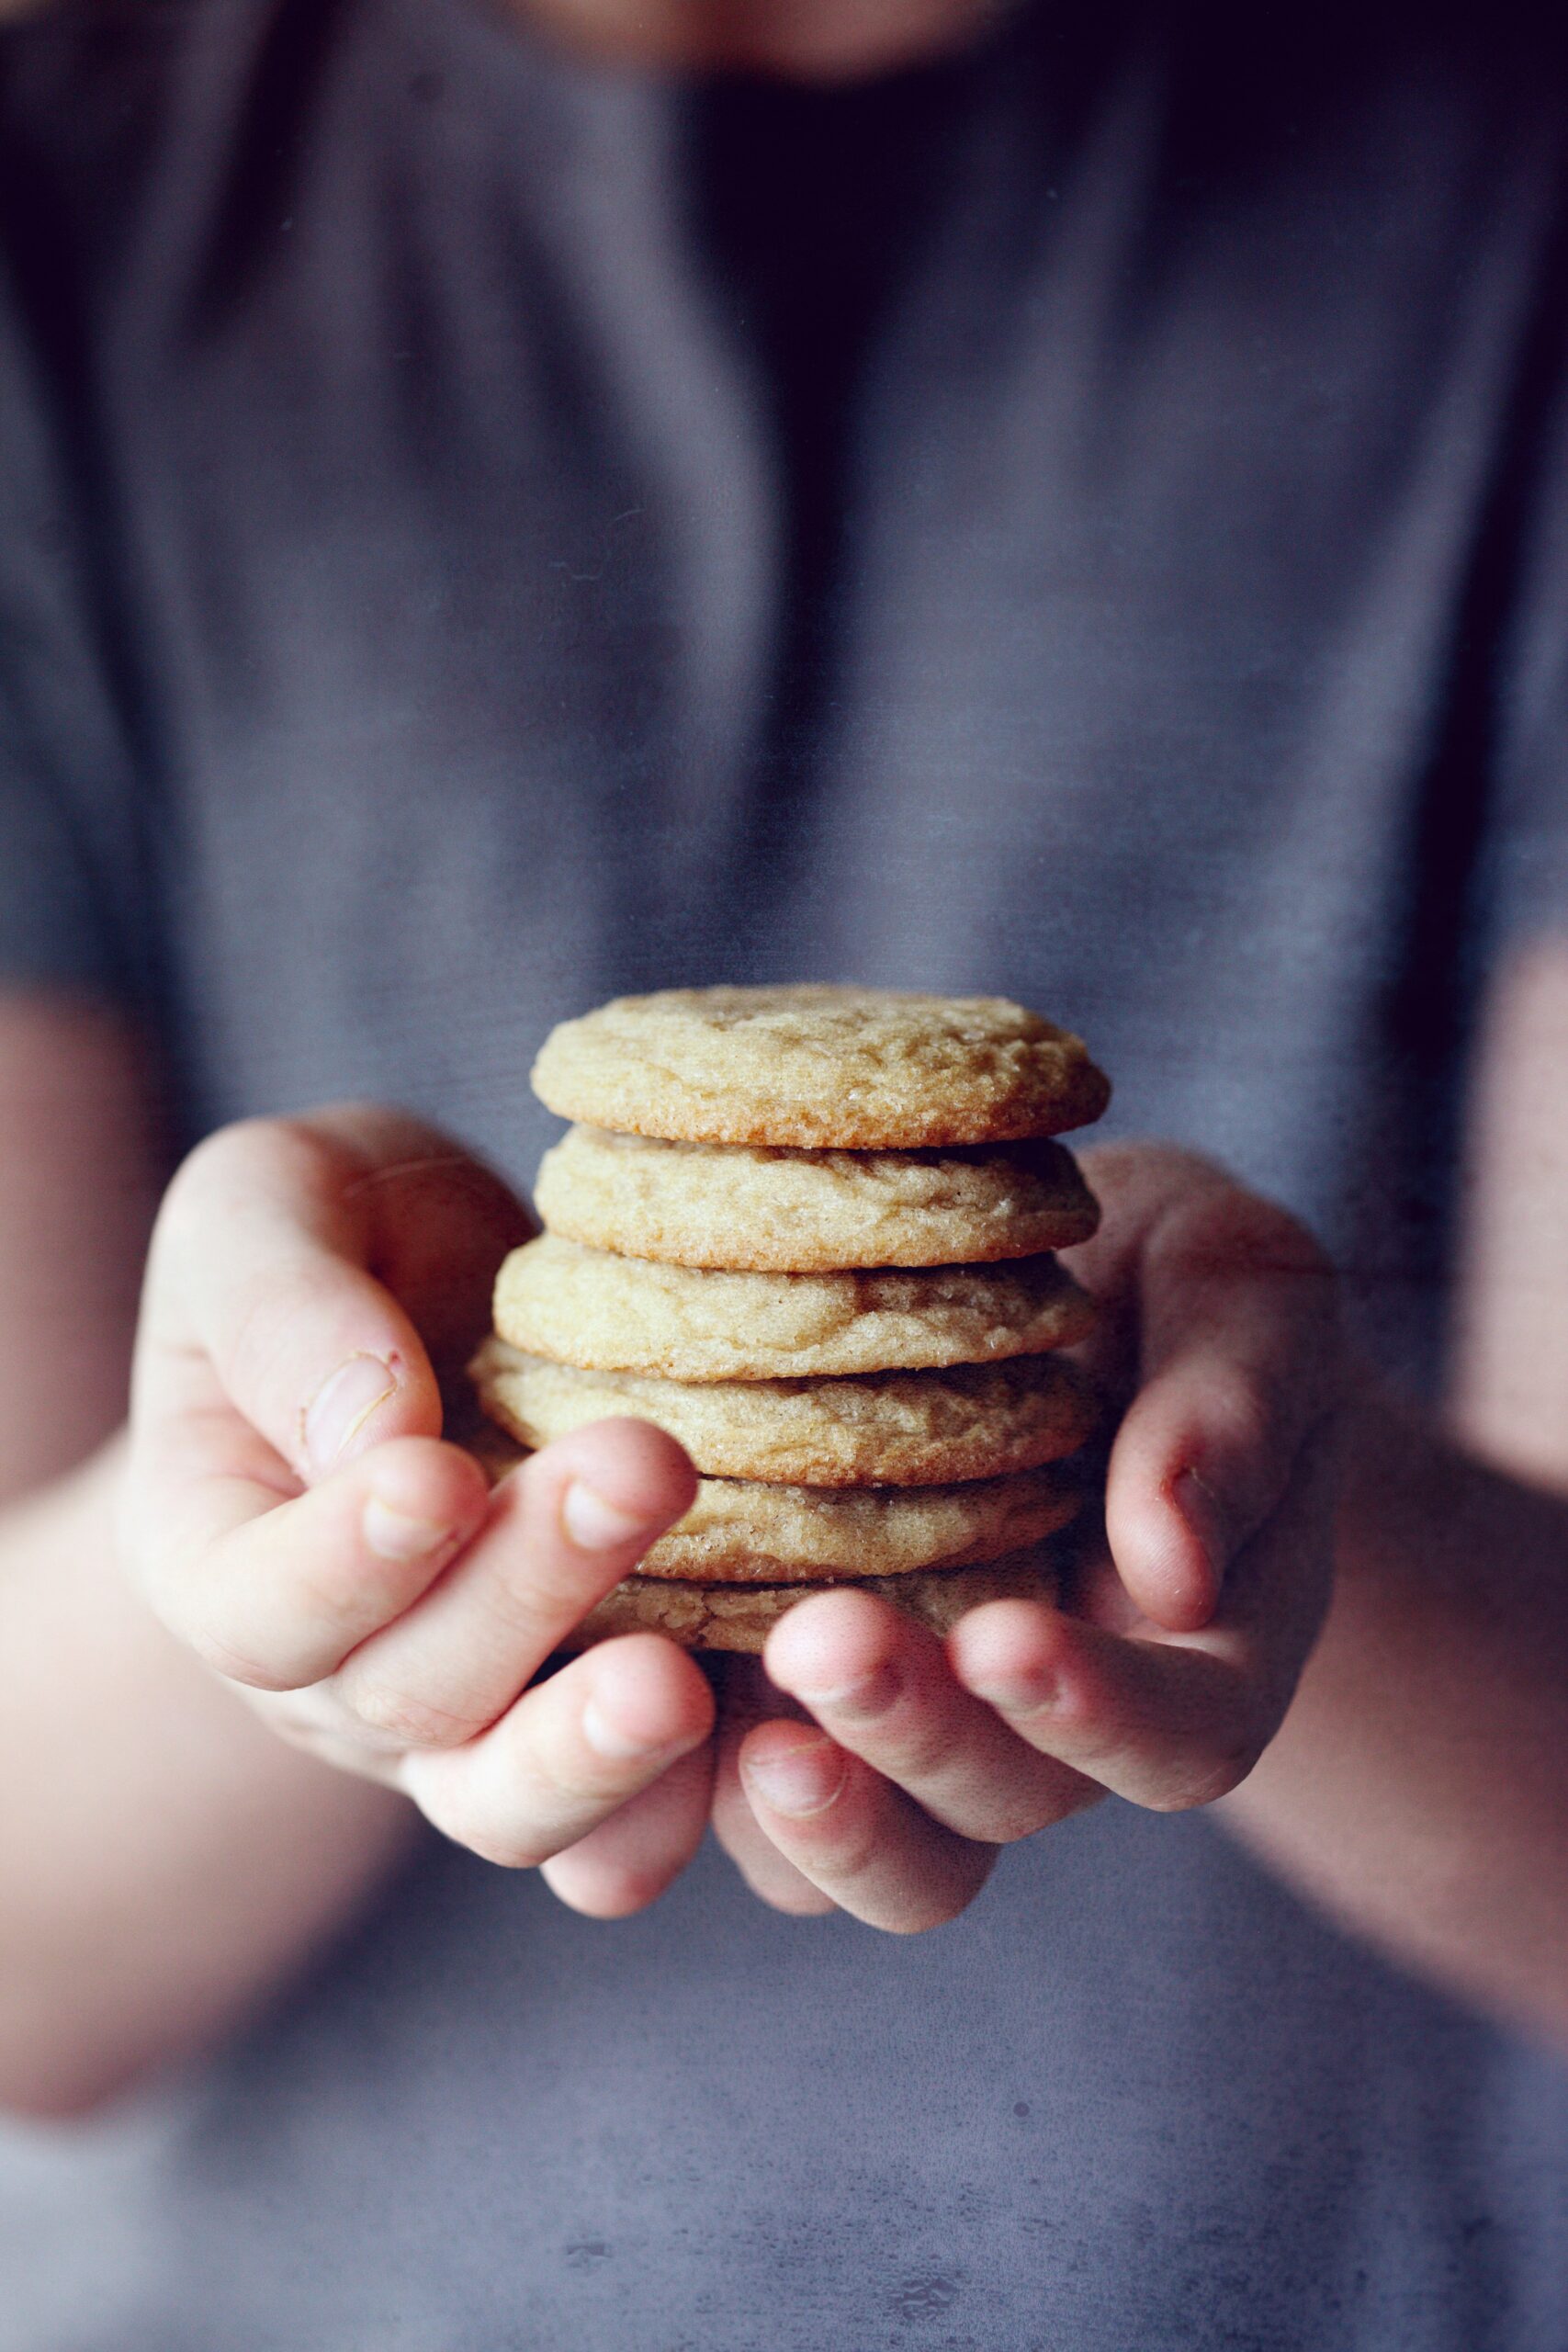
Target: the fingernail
(800, 1779)
(605, 1740)
(1199, 1507)
(394, 1535)
(595, 1525)
(341, 1405)
(859, 1701)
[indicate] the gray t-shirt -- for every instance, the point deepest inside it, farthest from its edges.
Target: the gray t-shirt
(1085, 520)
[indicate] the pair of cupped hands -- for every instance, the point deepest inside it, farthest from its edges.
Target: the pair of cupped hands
(294, 1514)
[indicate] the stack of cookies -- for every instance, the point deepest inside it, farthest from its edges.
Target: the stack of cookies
(809, 1232)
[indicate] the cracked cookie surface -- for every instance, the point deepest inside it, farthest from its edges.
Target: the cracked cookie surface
(902, 1428)
(741, 1531)
(761, 1208)
(606, 1313)
(834, 1067)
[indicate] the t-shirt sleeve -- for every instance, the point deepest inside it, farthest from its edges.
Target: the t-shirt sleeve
(68, 837)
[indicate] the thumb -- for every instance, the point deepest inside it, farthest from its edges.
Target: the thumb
(261, 1299)
(1238, 1363)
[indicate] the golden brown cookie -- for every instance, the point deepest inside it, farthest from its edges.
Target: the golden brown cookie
(740, 1617)
(495, 1450)
(605, 1312)
(741, 1531)
(859, 1069)
(898, 1429)
(753, 1208)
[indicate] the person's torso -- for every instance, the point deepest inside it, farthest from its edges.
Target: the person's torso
(1099, 616)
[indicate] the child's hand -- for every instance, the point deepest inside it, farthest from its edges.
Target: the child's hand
(291, 1512)
(1181, 1646)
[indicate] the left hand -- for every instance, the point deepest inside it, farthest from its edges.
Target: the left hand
(904, 1763)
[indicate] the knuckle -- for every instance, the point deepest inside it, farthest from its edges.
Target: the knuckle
(399, 1718)
(584, 1786)
(312, 1162)
(233, 1664)
(307, 1720)
(922, 1753)
(929, 1912)
(235, 1156)
(496, 1839)
(1273, 1241)
(293, 1147)
(1003, 1823)
(490, 1822)
(848, 1855)
(299, 1732)
(515, 1599)
(612, 1894)
(1230, 1225)
(1227, 1233)
(946, 1893)
(1208, 1775)
(1241, 1409)
(1292, 1251)
(803, 1902)
(1283, 1255)
(249, 1161)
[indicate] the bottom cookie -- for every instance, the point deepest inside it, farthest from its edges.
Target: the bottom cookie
(740, 1617)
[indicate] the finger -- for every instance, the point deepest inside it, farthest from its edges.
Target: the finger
(1277, 1588)
(1135, 1184)
(275, 1593)
(627, 1861)
(1275, 1599)
(744, 1699)
(1168, 1723)
(568, 1755)
(563, 1528)
(853, 1835)
(438, 1222)
(260, 1301)
(288, 1266)
(882, 1686)
(1239, 1361)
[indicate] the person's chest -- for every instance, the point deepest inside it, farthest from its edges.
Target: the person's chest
(466, 586)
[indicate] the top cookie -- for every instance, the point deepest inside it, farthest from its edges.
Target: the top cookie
(852, 1069)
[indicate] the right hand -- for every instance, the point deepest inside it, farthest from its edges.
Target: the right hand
(292, 1513)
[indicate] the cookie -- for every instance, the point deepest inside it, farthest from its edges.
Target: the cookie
(741, 1531)
(754, 1209)
(898, 1429)
(495, 1450)
(740, 1617)
(859, 1069)
(606, 1313)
